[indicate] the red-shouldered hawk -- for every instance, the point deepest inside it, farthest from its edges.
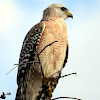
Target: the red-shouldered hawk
(51, 28)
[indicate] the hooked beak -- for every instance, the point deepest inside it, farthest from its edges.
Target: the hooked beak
(69, 15)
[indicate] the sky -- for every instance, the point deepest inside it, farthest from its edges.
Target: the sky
(16, 19)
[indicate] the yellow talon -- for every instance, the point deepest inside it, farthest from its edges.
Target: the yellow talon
(47, 85)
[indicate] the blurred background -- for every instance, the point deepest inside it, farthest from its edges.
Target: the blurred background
(16, 19)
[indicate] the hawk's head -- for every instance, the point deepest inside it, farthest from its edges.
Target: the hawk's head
(57, 10)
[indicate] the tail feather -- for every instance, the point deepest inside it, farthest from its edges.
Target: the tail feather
(33, 87)
(28, 89)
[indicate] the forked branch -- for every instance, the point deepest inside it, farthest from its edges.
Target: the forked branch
(39, 58)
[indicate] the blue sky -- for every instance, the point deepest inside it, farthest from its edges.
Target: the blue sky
(16, 19)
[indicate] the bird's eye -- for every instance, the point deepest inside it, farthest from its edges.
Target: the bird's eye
(63, 8)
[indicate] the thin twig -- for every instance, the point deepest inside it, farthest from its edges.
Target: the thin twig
(46, 47)
(66, 97)
(21, 64)
(67, 75)
(11, 70)
(64, 75)
(30, 62)
(40, 66)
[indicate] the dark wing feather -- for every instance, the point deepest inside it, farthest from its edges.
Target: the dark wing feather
(29, 48)
(27, 55)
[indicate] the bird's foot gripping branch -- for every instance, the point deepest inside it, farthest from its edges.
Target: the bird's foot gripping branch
(47, 84)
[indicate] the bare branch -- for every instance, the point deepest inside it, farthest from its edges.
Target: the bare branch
(21, 64)
(67, 75)
(66, 97)
(30, 62)
(47, 46)
(11, 70)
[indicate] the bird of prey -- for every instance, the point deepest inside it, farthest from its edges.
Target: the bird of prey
(35, 61)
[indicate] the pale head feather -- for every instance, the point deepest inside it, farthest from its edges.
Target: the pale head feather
(53, 11)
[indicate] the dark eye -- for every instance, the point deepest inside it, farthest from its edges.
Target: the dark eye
(63, 8)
